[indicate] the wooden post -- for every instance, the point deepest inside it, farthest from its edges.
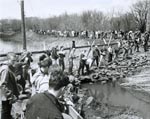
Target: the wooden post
(73, 44)
(23, 25)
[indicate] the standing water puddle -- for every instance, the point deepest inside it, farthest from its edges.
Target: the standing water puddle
(114, 94)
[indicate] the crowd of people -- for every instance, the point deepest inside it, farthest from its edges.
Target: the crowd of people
(52, 76)
(46, 83)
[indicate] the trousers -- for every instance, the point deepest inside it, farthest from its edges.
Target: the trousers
(6, 110)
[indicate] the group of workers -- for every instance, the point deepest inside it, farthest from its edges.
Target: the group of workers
(49, 79)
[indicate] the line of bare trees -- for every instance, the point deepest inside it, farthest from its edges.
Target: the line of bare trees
(88, 20)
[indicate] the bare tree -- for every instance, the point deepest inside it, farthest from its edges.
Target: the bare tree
(127, 22)
(140, 11)
(10, 25)
(93, 20)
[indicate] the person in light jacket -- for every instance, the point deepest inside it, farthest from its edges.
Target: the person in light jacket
(8, 87)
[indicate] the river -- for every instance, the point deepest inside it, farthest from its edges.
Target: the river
(8, 45)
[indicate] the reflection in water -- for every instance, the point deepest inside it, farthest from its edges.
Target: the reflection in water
(115, 95)
(7, 45)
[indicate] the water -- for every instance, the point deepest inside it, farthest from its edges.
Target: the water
(16, 46)
(37, 43)
(7, 46)
(115, 95)
(108, 93)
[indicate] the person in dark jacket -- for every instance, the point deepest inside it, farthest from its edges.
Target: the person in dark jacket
(46, 105)
(8, 87)
(54, 54)
(19, 74)
(61, 55)
(137, 40)
(96, 55)
(82, 63)
(110, 54)
(146, 39)
(26, 58)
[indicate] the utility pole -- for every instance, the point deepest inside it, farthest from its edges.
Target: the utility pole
(23, 25)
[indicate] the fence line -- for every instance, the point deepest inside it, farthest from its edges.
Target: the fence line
(42, 51)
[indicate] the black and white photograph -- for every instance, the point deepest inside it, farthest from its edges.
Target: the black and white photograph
(74, 59)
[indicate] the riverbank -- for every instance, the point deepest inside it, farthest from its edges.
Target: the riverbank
(7, 34)
(36, 42)
(127, 98)
(110, 101)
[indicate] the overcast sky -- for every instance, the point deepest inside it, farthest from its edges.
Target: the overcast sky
(46, 8)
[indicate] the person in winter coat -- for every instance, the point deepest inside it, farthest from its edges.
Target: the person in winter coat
(46, 105)
(83, 63)
(96, 55)
(8, 87)
(41, 78)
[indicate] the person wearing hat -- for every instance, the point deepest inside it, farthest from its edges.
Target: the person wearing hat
(41, 78)
(8, 86)
(46, 105)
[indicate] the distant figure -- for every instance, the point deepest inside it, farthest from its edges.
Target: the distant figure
(54, 54)
(71, 59)
(61, 57)
(46, 105)
(137, 39)
(96, 55)
(83, 64)
(73, 44)
(102, 57)
(146, 40)
(110, 54)
(26, 58)
(130, 41)
(117, 49)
